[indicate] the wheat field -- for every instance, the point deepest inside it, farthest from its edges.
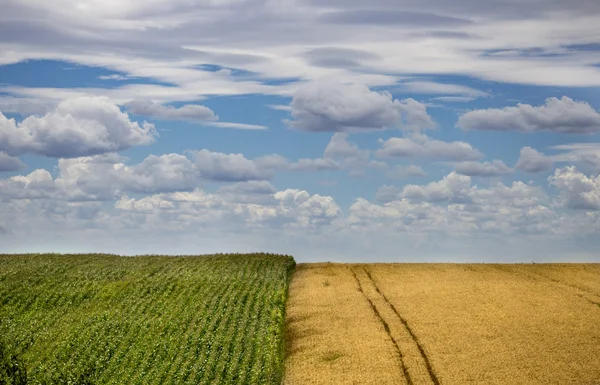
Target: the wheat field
(444, 324)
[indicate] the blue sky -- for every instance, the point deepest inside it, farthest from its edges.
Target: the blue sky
(329, 130)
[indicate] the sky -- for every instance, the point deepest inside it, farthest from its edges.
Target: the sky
(330, 130)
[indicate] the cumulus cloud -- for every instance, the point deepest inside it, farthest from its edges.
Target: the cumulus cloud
(108, 176)
(26, 106)
(454, 205)
(260, 192)
(76, 127)
(250, 187)
(453, 187)
(530, 160)
(421, 146)
(191, 112)
(415, 115)
(232, 167)
(307, 210)
(10, 163)
(35, 185)
(349, 157)
(105, 177)
(339, 147)
(563, 115)
(387, 194)
(485, 169)
(578, 191)
(236, 167)
(291, 208)
(328, 105)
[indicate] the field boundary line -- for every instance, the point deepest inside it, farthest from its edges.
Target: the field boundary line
(387, 329)
(404, 322)
(556, 283)
(588, 291)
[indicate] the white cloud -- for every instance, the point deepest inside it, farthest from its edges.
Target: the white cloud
(558, 115)
(26, 106)
(107, 177)
(453, 187)
(195, 113)
(456, 207)
(387, 194)
(280, 107)
(294, 209)
(584, 153)
(415, 115)
(317, 164)
(339, 147)
(238, 126)
(191, 112)
(406, 171)
(329, 105)
(307, 210)
(454, 99)
(450, 211)
(35, 185)
(275, 52)
(530, 160)
(76, 127)
(10, 163)
(485, 169)
(578, 191)
(349, 157)
(229, 167)
(168, 43)
(427, 87)
(113, 77)
(259, 192)
(235, 167)
(421, 146)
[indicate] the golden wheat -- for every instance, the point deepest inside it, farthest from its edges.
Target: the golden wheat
(444, 323)
(497, 324)
(333, 336)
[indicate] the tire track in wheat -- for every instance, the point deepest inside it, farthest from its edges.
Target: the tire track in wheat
(424, 358)
(386, 327)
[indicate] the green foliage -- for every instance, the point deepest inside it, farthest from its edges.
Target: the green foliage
(12, 370)
(106, 319)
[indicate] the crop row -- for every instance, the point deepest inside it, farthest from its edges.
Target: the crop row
(106, 319)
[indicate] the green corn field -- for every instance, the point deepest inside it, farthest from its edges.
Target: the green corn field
(106, 319)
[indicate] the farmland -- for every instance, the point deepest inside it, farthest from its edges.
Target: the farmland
(104, 319)
(443, 323)
(228, 319)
